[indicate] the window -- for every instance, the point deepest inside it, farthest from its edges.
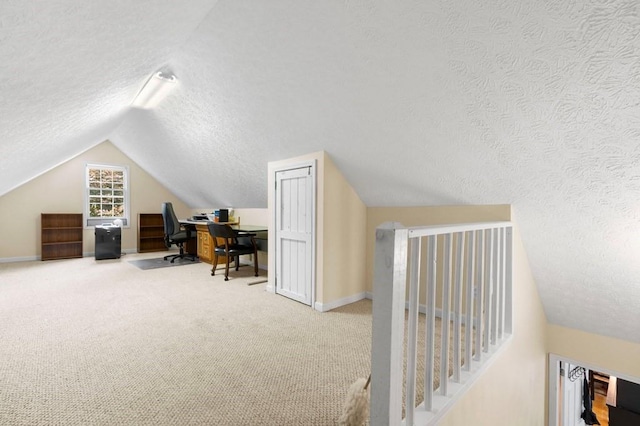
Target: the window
(107, 194)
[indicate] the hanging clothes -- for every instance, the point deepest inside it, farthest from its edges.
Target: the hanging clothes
(588, 415)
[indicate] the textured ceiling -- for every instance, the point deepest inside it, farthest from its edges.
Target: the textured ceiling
(69, 70)
(532, 103)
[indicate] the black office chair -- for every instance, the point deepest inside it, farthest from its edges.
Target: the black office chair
(231, 244)
(174, 234)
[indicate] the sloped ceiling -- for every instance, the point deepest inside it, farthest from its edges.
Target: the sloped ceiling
(532, 103)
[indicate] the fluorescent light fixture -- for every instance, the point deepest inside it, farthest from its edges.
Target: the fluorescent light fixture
(154, 90)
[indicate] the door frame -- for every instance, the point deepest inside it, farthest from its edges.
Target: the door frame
(313, 167)
(552, 381)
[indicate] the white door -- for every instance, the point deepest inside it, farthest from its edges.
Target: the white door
(294, 226)
(571, 386)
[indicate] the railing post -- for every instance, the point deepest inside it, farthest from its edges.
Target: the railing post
(389, 286)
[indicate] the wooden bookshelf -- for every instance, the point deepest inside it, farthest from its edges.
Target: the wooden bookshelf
(61, 235)
(150, 232)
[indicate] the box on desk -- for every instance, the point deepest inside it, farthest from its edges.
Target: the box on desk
(221, 215)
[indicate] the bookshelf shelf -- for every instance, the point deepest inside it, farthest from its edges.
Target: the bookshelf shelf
(150, 233)
(61, 235)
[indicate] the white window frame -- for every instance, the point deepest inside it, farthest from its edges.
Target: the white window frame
(89, 221)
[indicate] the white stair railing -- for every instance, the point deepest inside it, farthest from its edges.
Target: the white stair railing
(469, 267)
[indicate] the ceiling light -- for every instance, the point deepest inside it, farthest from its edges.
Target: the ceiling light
(154, 90)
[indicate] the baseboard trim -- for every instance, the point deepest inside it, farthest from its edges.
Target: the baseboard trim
(324, 307)
(19, 259)
(32, 258)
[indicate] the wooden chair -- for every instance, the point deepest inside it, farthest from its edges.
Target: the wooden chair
(231, 244)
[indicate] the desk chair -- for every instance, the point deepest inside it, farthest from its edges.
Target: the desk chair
(173, 234)
(229, 243)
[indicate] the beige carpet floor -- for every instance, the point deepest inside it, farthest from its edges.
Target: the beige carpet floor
(86, 342)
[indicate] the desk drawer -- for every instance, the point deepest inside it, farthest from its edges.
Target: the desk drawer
(204, 246)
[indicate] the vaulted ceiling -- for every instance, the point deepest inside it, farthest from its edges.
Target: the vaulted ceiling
(531, 103)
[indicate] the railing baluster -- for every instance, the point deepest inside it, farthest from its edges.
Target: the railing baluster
(446, 315)
(495, 288)
(430, 321)
(457, 307)
(468, 348)
(508, 276)
(488, 290)
(501, 286)
(412, 332)
(480, 294)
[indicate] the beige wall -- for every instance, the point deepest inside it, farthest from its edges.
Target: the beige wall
(252, 216)
(345, 218)
(61, 190)
(610, 354)
(513, 389)
(245, 216)
(255, 217)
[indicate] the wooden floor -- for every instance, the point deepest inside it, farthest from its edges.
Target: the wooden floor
(600, 408)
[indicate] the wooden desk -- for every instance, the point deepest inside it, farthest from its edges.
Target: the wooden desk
(205, 240)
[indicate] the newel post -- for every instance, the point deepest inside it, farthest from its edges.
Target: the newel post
(389, 287)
